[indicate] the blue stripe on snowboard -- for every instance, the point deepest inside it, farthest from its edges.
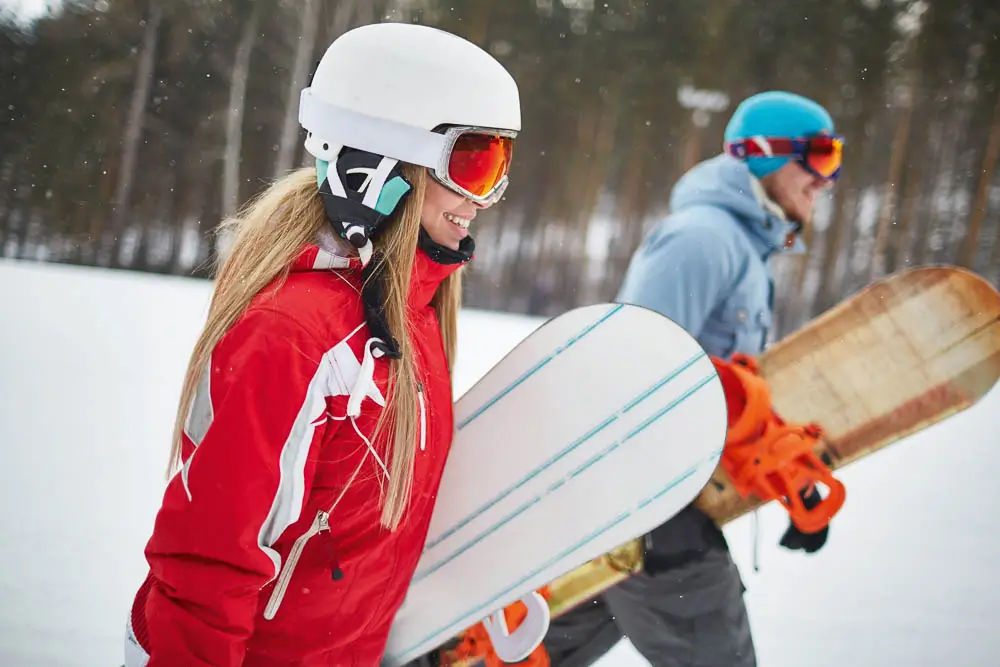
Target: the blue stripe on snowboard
(537, 367)
(468, 618)
(420, 576)
(587, 464)
(572, 446)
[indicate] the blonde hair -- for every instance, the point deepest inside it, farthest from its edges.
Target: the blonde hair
(267, 235)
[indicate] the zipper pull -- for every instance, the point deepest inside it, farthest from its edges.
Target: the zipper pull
(328, 547)
(423, 416)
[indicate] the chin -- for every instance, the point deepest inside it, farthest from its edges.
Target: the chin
(803, 216)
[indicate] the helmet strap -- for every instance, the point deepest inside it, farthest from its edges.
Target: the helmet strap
(360, 192)
(373, 299)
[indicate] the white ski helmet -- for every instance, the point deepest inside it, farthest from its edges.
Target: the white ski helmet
(413, 93)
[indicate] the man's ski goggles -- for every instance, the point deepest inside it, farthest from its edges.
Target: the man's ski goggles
(472, 161)
(475, 162)
(821, 155)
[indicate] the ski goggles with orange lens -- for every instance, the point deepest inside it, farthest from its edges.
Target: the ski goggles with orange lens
(475, 162)
(820, 155)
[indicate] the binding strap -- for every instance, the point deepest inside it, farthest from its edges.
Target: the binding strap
(476, 646)
(768, 457)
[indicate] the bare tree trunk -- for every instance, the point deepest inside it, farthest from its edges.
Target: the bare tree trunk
(526, 271)
(967, 254)
(479, 22)
(951, 180)
(691, 154)
(629, 207)
(604, 144)
(938, 138)
(899, 250)
(511, 273)
(161, 254)
(234, 119)
(595, 141)
(835, 234)
(876, 267)
(134, 127)
(309, 26)
(6, 195)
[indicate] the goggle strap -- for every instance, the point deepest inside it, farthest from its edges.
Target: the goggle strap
(761, 147)
(764, 145)
(376, 135)
(399, 141)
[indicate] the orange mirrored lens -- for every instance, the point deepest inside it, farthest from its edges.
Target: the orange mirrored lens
(825, 155)
(480, 161)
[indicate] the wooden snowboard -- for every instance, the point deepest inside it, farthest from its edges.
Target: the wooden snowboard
(901, 355)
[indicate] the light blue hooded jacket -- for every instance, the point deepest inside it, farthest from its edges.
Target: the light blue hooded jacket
(705, 265)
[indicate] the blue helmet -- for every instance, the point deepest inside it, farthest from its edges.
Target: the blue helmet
(776, 114)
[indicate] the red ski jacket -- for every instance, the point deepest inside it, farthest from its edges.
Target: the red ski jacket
(248, 564)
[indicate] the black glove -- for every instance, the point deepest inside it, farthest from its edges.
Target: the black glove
(796, 539)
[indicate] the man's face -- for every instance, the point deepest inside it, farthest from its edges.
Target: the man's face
(795, 190)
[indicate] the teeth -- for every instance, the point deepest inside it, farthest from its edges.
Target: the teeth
(461, 222)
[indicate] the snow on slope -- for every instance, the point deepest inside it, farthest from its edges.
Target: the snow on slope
(90, 366)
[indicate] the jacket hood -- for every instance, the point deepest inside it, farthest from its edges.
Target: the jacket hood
(727, 183)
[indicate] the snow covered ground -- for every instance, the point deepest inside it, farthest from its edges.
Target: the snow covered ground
(90, 365)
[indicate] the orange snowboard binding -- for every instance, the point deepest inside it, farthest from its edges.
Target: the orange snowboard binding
(475, 642)
(769, 458)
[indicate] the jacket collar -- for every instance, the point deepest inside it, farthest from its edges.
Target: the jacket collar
(331, 253)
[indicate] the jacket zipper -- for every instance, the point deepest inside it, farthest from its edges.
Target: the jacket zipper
(321, 524)
(423, 416)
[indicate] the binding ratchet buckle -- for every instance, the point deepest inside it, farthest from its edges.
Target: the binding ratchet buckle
(768, 457)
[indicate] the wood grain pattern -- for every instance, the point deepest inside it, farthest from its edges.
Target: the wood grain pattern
(901, 355)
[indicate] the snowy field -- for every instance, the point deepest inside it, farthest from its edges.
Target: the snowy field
(90, 366)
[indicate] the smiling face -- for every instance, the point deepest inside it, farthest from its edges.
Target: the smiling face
(446, 215)
(795, 190)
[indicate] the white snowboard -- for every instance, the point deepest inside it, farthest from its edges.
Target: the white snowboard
(599, 426)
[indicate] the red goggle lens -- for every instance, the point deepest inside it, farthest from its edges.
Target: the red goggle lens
(479, 162)
(825, 155)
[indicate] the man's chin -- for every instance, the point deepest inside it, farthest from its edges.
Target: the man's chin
(799, 219)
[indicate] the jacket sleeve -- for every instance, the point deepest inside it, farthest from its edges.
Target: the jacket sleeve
(258, 409)
(682, 272)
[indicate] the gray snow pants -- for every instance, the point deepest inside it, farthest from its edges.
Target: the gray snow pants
(688, 613)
